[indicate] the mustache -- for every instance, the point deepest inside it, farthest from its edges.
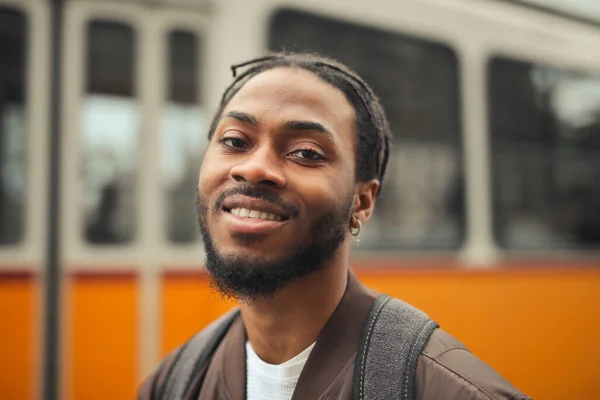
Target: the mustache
(260, 193)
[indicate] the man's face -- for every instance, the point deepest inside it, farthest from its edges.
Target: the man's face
(276, 187)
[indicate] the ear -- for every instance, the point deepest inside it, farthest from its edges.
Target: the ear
(364, 200)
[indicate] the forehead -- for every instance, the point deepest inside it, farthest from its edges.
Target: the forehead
(294, 94)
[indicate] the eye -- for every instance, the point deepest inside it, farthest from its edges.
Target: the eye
(308, 154)
(234, 142)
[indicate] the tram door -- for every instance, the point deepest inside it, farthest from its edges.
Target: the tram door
(133, 123)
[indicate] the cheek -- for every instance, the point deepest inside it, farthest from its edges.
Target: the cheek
(211, 173)
(203, 179)
(323, 195)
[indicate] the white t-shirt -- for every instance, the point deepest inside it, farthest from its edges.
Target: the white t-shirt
(272, 382)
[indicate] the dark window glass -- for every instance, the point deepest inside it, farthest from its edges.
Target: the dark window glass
(183, 67)
(110, 59)
(13, 71)
(422, 203)
(545, 138)
(183, 136)
(110, 134)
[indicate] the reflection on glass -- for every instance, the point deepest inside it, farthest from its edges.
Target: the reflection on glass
(110, 149)
(545, 127)
(110, 123)
(13, 67)
(183, 137)
(183, 145)
(422, 203)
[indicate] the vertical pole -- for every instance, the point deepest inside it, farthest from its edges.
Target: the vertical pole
(52, 293)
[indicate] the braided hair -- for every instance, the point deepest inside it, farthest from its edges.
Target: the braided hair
(371, 124)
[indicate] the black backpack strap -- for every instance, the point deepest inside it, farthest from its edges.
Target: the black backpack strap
(393, 338)
(193, 356)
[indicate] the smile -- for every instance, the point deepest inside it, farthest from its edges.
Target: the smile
(256, 214)
(254, 210)
(253, 221)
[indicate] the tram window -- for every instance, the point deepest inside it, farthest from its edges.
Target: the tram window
(422, 202)
(110, 134)
(13, 177)
(545, 137)
(182, 138)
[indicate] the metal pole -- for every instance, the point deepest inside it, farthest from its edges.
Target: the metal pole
(52, 304)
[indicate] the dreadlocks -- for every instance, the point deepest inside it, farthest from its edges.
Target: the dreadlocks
(371, 127)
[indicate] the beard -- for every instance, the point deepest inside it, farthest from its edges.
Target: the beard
(250, 278)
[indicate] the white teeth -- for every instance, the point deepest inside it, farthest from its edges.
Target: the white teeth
(247, 213)
(254, 214)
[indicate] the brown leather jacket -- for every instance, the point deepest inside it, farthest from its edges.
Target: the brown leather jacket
(446, 369)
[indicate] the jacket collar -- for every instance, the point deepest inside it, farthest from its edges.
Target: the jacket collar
(332, 356)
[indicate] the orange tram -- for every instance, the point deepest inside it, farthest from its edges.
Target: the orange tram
(489, 219)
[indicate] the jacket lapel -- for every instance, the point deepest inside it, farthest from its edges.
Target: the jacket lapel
(234, 362)
(226, 375)
(335, 350)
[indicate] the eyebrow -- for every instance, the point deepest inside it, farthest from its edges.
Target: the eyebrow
(306, 126)
(291, 125)
(242, 117)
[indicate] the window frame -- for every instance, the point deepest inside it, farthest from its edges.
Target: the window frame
(173, 255)
(29, 253)
(74, 82)
(545, 61)
(138, 135)
(15, 237)
(200, 103)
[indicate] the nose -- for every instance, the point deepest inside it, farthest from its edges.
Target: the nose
(260, 167)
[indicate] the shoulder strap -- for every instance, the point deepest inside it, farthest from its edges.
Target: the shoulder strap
(193, 356)
(393, 338)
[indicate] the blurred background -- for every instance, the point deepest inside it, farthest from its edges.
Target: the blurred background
(489, 219)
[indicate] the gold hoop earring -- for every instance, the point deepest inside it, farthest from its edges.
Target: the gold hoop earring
(356, 231)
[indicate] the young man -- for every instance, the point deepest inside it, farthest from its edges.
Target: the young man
(297, 155)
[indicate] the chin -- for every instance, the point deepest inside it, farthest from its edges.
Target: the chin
(253, 253)
(261, 244)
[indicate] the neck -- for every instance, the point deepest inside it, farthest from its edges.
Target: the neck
(282, 327)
